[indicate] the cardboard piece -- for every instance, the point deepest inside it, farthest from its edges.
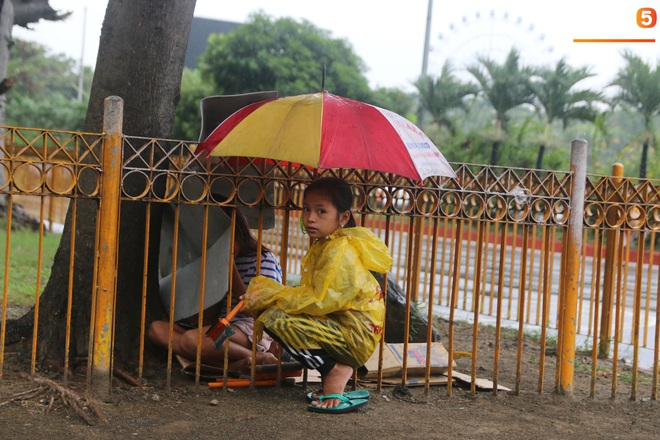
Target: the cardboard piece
(206, 372)
(482, 384)
(189, 261)
(416, 360)
(416, 381)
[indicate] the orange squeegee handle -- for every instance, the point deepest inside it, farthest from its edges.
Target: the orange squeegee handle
(224, 322)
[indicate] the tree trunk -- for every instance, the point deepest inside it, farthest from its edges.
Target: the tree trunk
(141, 54)
(644, 161)
(539, 157)
(396, 316)
(495, 153)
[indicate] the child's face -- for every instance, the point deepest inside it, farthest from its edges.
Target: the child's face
(320, 216)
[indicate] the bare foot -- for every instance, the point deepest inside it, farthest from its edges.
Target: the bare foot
(334, 383)
(239, 365)
(266, 358)
(274, 348)
(245, 363)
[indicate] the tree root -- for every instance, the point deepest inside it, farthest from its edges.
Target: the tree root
(25, 395)
(121, 374)
(87, 408)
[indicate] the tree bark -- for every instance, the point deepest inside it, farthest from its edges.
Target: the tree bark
(396, 316)
(495, 153)
(539, 156)
(141, 54)
(643, 164)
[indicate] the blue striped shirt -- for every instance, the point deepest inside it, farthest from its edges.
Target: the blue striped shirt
(270, 267)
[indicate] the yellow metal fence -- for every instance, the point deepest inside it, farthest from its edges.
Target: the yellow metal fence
(489, 247)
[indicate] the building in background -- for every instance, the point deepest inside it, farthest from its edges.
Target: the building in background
(200, 31)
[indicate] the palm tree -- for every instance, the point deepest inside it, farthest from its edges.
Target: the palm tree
(442, 94)
(556, 95)
(639, 87)
(505, 86)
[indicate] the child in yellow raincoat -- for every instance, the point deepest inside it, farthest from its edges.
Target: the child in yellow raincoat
(333, 321)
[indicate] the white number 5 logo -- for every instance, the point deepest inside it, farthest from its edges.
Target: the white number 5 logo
(646, 18)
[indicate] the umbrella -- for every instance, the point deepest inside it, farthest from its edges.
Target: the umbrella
(323, 130)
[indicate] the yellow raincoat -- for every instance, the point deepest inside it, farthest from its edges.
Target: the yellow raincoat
(338, 306)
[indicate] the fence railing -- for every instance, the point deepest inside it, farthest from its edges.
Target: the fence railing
(488, 247)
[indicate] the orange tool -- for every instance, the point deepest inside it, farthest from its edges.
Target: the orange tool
(222, 330)
(242, 383)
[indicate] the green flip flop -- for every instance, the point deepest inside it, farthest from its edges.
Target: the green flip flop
(346, 404)
(352, 395)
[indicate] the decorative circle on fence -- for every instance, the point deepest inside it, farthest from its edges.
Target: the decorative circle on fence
(4, 172)
(653, 218)
(593, 214)
(540, 211)
(172, 184)
(136, 184)
(89, 181)
(27, 185)
(297, 192)
(222, 190)
(427, 202)
(249, 192)
(473, 206)
(614, 216)
(193, 188)
(60, 179)
(560, 212)
(359, 198)
(496, 207)
(518, 210)
(635, 217)
(402, 200)
(450, 204)
(377, 200)
(280, 194)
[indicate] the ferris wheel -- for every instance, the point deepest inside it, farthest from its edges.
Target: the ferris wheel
(491, 35)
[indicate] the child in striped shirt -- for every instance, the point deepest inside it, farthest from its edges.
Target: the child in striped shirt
(184, 340)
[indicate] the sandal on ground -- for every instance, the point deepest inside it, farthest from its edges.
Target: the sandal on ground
(346, 404)
(352, 395)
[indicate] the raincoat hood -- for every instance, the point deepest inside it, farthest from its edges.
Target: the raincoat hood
(371, 250)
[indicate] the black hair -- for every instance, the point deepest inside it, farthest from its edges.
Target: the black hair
(243, 236)
(339, 193)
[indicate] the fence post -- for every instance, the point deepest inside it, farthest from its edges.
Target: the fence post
(574, 251)
(113, 108)
(611, 240)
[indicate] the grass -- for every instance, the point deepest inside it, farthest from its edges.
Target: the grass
(535, 336)
(584, 366)
(23, 262)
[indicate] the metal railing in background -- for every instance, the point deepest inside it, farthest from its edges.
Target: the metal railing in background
(487, 247)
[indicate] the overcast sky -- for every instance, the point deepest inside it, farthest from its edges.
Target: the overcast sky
(389, 36)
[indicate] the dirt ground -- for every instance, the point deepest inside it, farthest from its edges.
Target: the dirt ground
(199, 412)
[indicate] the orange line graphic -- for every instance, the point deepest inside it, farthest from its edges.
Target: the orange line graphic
(614, 40)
